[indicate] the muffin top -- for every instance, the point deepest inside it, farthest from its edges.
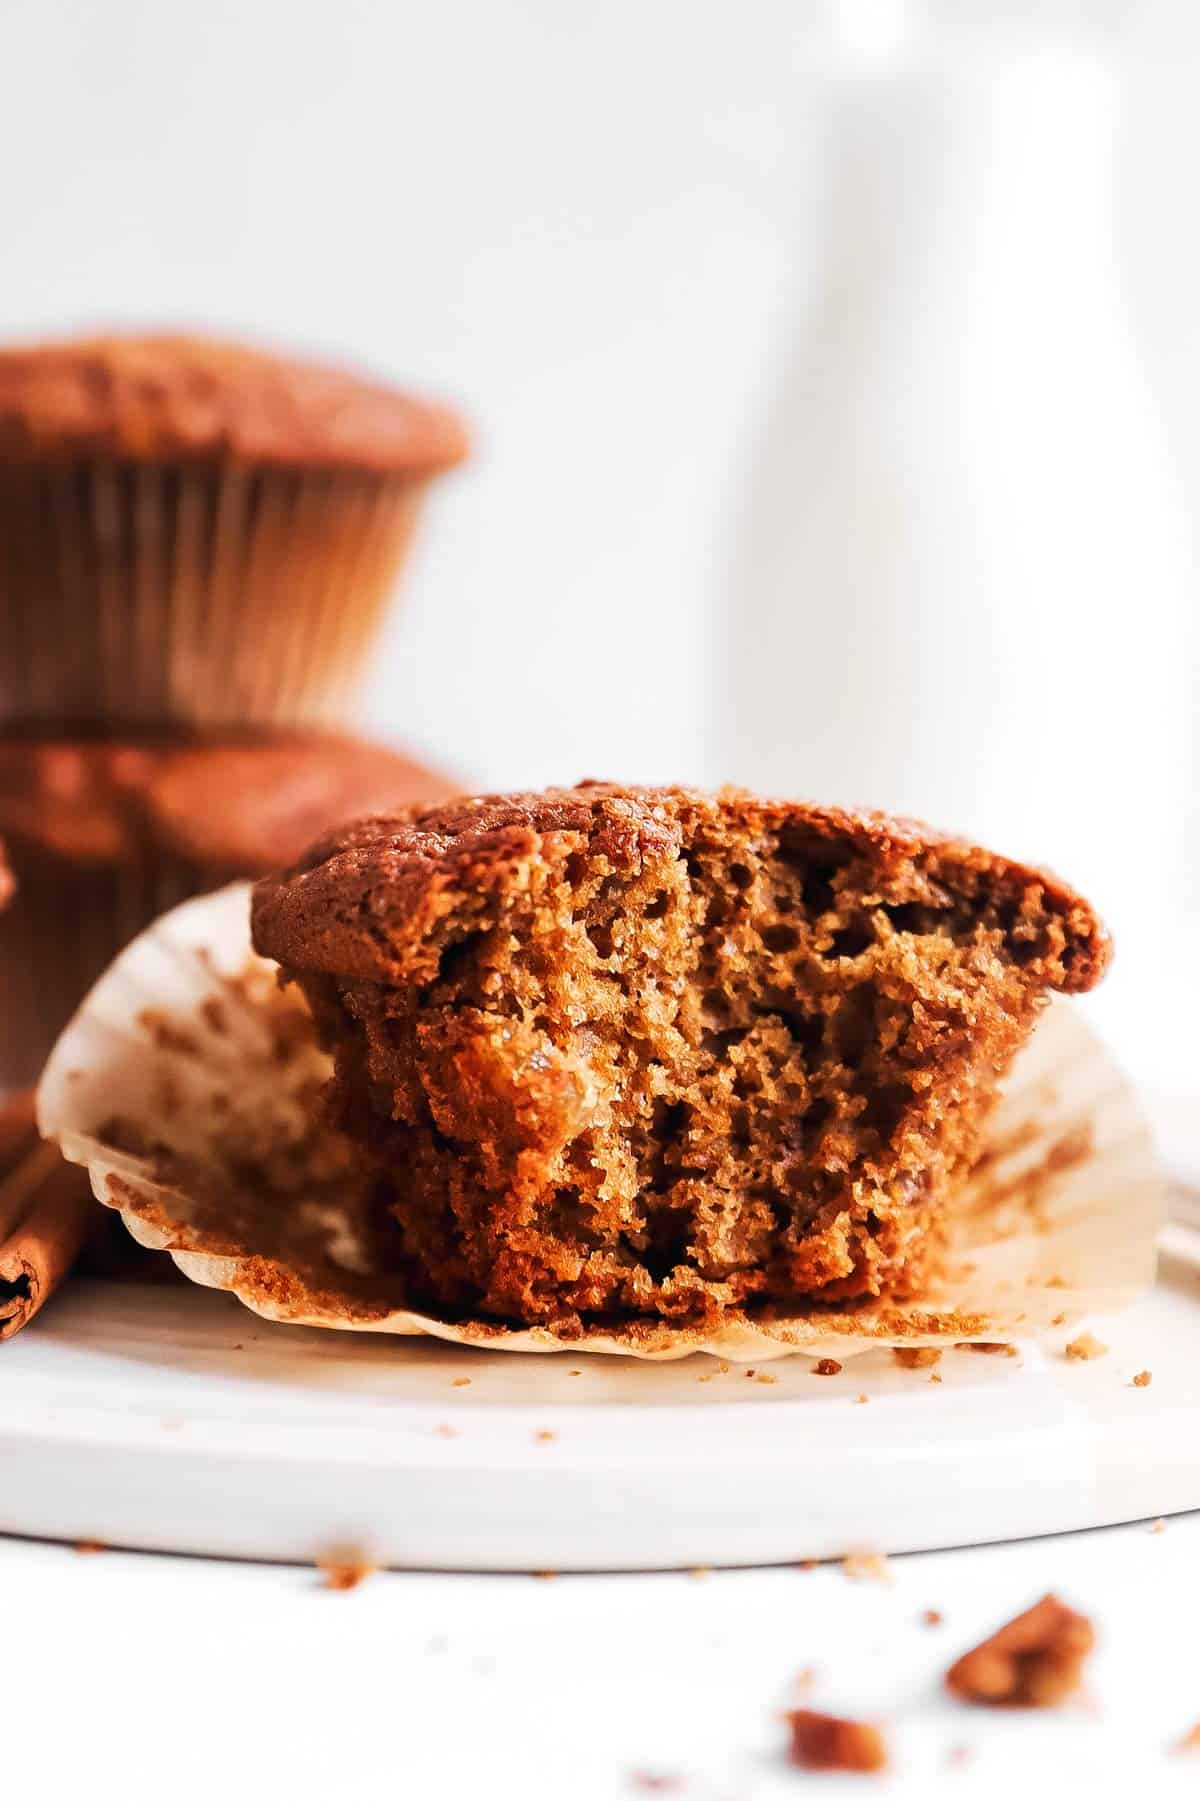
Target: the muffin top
(361, 899)
(161, 397)
(231, 806)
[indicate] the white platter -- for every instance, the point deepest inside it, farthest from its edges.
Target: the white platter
(169, 1419)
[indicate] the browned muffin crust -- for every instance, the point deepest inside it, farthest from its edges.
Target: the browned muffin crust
(623, 1051)
(163, 397)
(237, 806)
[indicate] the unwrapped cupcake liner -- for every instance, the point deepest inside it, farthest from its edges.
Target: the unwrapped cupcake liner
(187, 1085)
(145, 593)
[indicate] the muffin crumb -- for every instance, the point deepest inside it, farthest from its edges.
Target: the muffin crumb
(866, 1566)
(916, 1357)
(344, 1574)
(1084, 1349)
(1143, 1379)
(827, 1366)
(1036, 1660)
(822, 1741)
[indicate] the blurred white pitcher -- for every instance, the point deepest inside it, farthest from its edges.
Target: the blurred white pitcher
(959, 588)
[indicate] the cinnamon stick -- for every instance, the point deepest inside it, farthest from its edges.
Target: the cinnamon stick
(46, 1209)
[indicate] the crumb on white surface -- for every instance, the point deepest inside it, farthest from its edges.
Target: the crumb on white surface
(1085, 1349)
(866, 1566)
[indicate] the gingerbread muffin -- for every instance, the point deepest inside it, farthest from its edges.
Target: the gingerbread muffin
(199, 531)
(621, 1052)
(103, 836)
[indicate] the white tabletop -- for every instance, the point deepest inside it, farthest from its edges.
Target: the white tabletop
(190, 1677)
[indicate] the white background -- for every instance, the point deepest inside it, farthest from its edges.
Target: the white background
(597, 228)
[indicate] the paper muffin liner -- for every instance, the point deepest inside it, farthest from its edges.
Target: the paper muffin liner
(186, 1082)
(149, 593)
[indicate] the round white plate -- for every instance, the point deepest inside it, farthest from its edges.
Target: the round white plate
(170, 1419)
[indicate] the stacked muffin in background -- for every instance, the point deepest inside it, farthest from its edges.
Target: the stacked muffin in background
(197, 546)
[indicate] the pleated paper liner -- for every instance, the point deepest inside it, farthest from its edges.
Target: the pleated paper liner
(145, 593)
(185, 1085)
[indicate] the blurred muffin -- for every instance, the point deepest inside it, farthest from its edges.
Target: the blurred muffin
(199, 531)
(103, 837)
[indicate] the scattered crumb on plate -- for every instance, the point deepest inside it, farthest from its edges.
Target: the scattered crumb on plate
(1084, 1349)
(1143, 1379)
(343, 1574)
(827, 1366)
(866, 1566)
